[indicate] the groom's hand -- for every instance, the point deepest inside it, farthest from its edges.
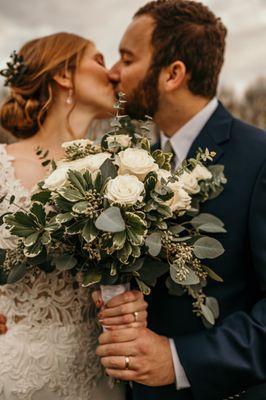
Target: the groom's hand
(147, 355)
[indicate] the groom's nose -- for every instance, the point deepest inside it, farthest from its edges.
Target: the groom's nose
(114, 73)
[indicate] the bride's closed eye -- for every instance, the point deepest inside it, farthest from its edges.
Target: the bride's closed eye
(100, 59)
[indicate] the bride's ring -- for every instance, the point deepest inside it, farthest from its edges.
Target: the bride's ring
(126, 362)
(135, 314)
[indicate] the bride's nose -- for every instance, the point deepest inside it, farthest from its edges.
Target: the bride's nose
(114, 73)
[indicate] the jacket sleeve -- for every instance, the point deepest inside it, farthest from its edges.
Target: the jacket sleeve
(226, 359)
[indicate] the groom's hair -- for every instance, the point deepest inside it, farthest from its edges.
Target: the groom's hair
(189, 32)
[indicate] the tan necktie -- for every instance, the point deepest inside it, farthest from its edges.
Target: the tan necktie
(169, 149)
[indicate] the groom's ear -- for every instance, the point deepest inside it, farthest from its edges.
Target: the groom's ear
(174, 76)
(64, 79)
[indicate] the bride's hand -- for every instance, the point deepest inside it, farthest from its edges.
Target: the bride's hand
(126, 310)
(3, 327)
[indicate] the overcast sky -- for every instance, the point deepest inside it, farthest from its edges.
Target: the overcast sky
(104, 21)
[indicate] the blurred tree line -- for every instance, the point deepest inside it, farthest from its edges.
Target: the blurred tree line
(251, 107)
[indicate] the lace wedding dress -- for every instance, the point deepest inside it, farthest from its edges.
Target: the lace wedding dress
(48, 352)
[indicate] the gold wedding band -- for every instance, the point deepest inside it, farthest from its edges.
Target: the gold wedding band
(135, 316)
(126, 362)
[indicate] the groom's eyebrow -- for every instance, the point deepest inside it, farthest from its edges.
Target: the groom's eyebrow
(124, 51)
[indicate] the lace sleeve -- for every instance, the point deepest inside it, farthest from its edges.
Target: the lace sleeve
(9, 186)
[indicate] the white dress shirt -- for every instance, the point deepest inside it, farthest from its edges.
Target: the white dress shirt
(181, 142)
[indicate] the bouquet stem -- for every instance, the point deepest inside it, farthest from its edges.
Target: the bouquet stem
(110, 291)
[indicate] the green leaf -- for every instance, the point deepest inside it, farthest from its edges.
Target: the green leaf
(124, 253)
(177, 229)
(31, 239)
(46, 238)
(62, 204)
(88, 178)
(23, 219)
(91, 278)
(119, 239)
(81, 207)
(165, 211)
(191, 278)
(77, 180)
(207, 247)
(76, 227)
(207, 314)
(110, 220)
(150, 182)
(52, 225)
(2, 256)
(89, 232)
(108, 170)
(212, 274)
(152, 270)
(98, 182)
(18, 272)
(174, 289)
(38, 212)
(65, 262)
(134, 238)
(136, 266)
(63, 218)
(71, 195)
(143, 287)
(211, 228)
(213, 305)
(135, 223)
(41, 197)
(34, 250)
(154, 243)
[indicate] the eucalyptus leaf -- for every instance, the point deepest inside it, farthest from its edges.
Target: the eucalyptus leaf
(17, 272)
(207, 314)
(212, 274)
(206, 218)
(191, 278)
(213, 305)
(154, 243)
(207, 247)
(110, 220)
(211, 228)
(65, 262)
(174, 289)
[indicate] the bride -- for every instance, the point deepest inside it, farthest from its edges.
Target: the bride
(58, 88)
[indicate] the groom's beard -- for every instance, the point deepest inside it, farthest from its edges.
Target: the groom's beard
(144, 99)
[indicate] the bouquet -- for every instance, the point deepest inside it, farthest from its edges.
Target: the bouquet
(112, 212)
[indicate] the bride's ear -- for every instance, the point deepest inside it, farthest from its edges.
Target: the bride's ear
(64, 79)
(174, 76)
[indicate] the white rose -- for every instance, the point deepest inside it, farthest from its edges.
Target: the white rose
(124, 189)
(81, 143)
(136, 162)
(123, 140)
(189, 182)
(92, 162)
(201, 173)
(56, 178)
(181, 199)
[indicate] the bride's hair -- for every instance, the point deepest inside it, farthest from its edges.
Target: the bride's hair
(24, 111)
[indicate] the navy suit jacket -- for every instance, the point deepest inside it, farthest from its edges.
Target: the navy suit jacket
(230, 357)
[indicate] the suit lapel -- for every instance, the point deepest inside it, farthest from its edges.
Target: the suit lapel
(214, 133)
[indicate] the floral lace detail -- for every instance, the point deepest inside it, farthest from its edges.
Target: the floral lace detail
(52, 330)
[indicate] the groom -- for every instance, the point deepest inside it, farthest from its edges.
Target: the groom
(171, 57)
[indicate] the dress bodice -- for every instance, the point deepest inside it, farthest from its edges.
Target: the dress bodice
(52, 329)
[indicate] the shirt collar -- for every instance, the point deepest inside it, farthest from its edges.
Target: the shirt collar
(182, 140)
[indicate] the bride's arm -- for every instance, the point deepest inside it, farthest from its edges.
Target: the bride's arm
(3, 327)
(128, 309)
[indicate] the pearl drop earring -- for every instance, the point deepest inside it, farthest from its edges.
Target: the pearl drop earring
(69, 99)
